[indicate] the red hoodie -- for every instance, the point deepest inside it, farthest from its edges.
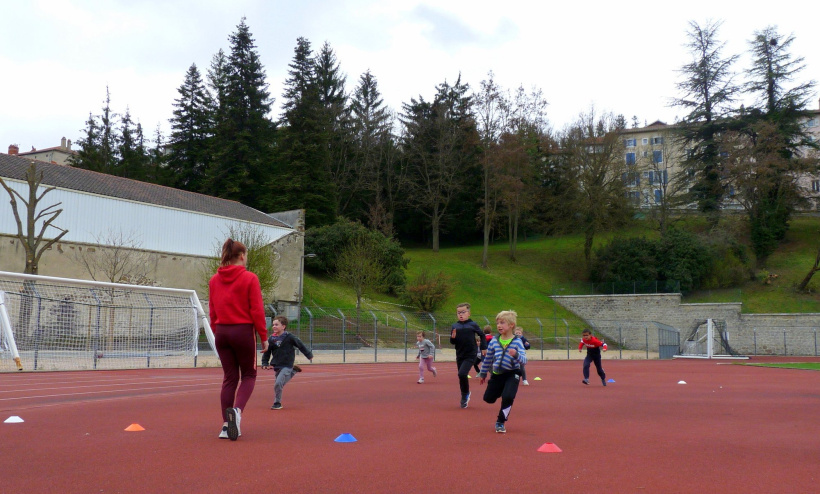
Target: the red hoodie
(592, 343)
(236, 298)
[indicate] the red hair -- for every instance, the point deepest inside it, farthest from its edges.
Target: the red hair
(231, 250)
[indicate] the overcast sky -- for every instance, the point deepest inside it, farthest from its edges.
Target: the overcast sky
(58, 56)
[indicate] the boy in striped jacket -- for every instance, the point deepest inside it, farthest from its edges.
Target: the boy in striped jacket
(505, 356)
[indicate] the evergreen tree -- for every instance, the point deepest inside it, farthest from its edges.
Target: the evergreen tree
(133, 156)
(243, 136)
(373, 155)
(191, 130)
(708, 93)
(335, 119)
(98, 149)
(769, 150)
(302, 179)
(440, 144)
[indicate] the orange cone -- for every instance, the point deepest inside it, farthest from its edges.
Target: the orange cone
(135, 428)
(549, 448)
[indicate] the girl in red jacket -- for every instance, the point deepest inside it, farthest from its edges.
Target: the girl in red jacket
(237, 316)
(594, 347)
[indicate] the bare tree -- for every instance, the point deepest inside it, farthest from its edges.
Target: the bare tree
(665, 186)
(596, 151)
(262, 257)
(359, 266)
(117, 258)
(33, 240)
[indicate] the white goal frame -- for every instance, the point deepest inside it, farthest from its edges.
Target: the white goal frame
(158, 305)
(702, 345)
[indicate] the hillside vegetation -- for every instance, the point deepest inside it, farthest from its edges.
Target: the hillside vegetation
(555, 265)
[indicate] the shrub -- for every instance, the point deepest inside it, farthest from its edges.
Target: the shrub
(625, 259)
(428, 292)
(329, 241)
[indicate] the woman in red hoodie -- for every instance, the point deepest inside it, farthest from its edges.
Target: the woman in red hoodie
(237, 315)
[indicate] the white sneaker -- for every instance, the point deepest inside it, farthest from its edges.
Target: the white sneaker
(421, 381)
(434, 372)
(526, 383)
(224, 433)
(234, 419)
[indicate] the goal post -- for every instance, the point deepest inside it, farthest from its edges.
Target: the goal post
(66, 324)
(709, 340)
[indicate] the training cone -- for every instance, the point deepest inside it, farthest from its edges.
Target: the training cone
(345, 438)
(549, 448)
(469, 376)
(681, 382)
(135, 428)
(611, 381)
(14, 419)
(537, 379)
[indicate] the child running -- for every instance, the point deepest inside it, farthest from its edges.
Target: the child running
(519, 331)
(281, 354)
(463, 335)
(425, 356)
(505, 356)
(594, 347)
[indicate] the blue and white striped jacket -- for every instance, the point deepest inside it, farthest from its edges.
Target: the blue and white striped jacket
(501, 360)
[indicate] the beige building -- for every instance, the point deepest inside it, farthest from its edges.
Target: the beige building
(173, 232)
(58, 154)
(654, 158)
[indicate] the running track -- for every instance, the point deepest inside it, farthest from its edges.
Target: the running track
(729, 429)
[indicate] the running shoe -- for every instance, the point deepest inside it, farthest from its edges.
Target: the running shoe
(224, 433)
(276, 406)
(499, 427)
(585, 381)
(234, 418)
(465, 399)
(421, 381)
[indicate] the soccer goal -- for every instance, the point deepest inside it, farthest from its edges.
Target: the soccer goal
(64, 324)
(709, 340)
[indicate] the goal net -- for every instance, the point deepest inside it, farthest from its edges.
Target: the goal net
(64, 324)
(709, 339)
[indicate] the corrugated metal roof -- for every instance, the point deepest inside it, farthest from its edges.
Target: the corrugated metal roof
(67, 177)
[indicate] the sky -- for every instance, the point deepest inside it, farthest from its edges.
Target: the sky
(58, 56)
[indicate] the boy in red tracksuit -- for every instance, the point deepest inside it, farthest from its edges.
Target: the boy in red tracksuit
(594, 347)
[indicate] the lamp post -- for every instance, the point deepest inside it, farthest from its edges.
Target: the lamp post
(301, 279)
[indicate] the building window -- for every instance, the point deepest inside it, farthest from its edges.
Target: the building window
(731, 191)
(811, 122)
(657, 156)
(815, 185)
(657, 140)
(630, 158)
(645, 141)
(630, 143)
(631, 179)
(658, 196)
(634, 196)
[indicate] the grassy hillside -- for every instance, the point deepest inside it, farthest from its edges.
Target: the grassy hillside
(544, 266)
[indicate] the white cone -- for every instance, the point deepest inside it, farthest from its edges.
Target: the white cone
(14, 419)
(681, 382)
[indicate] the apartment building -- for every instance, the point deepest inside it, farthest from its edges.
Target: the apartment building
(653, 157)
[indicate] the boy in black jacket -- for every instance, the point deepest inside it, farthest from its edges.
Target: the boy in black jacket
(463, 335)
(281, 354)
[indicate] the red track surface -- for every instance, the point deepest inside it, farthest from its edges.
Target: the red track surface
(731, 428)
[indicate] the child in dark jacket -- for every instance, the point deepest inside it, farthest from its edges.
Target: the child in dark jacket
(281, 355)
(594, 347)
(463, 335)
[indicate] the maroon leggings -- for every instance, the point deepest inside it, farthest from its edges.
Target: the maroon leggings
(236, 346)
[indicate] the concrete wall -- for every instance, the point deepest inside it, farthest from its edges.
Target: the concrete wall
(631, 317)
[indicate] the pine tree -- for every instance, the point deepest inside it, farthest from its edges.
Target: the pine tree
(243, 136)
(708, 93)
(191, 132)
(98, 149)
(133, 159)
(302, 179)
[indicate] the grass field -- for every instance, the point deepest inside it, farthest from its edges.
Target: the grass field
(792, 365)
(546, 265)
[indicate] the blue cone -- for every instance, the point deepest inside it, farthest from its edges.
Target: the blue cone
(611, 381)
(345, 438)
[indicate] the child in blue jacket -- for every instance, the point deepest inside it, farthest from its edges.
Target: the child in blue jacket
(504, 358)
